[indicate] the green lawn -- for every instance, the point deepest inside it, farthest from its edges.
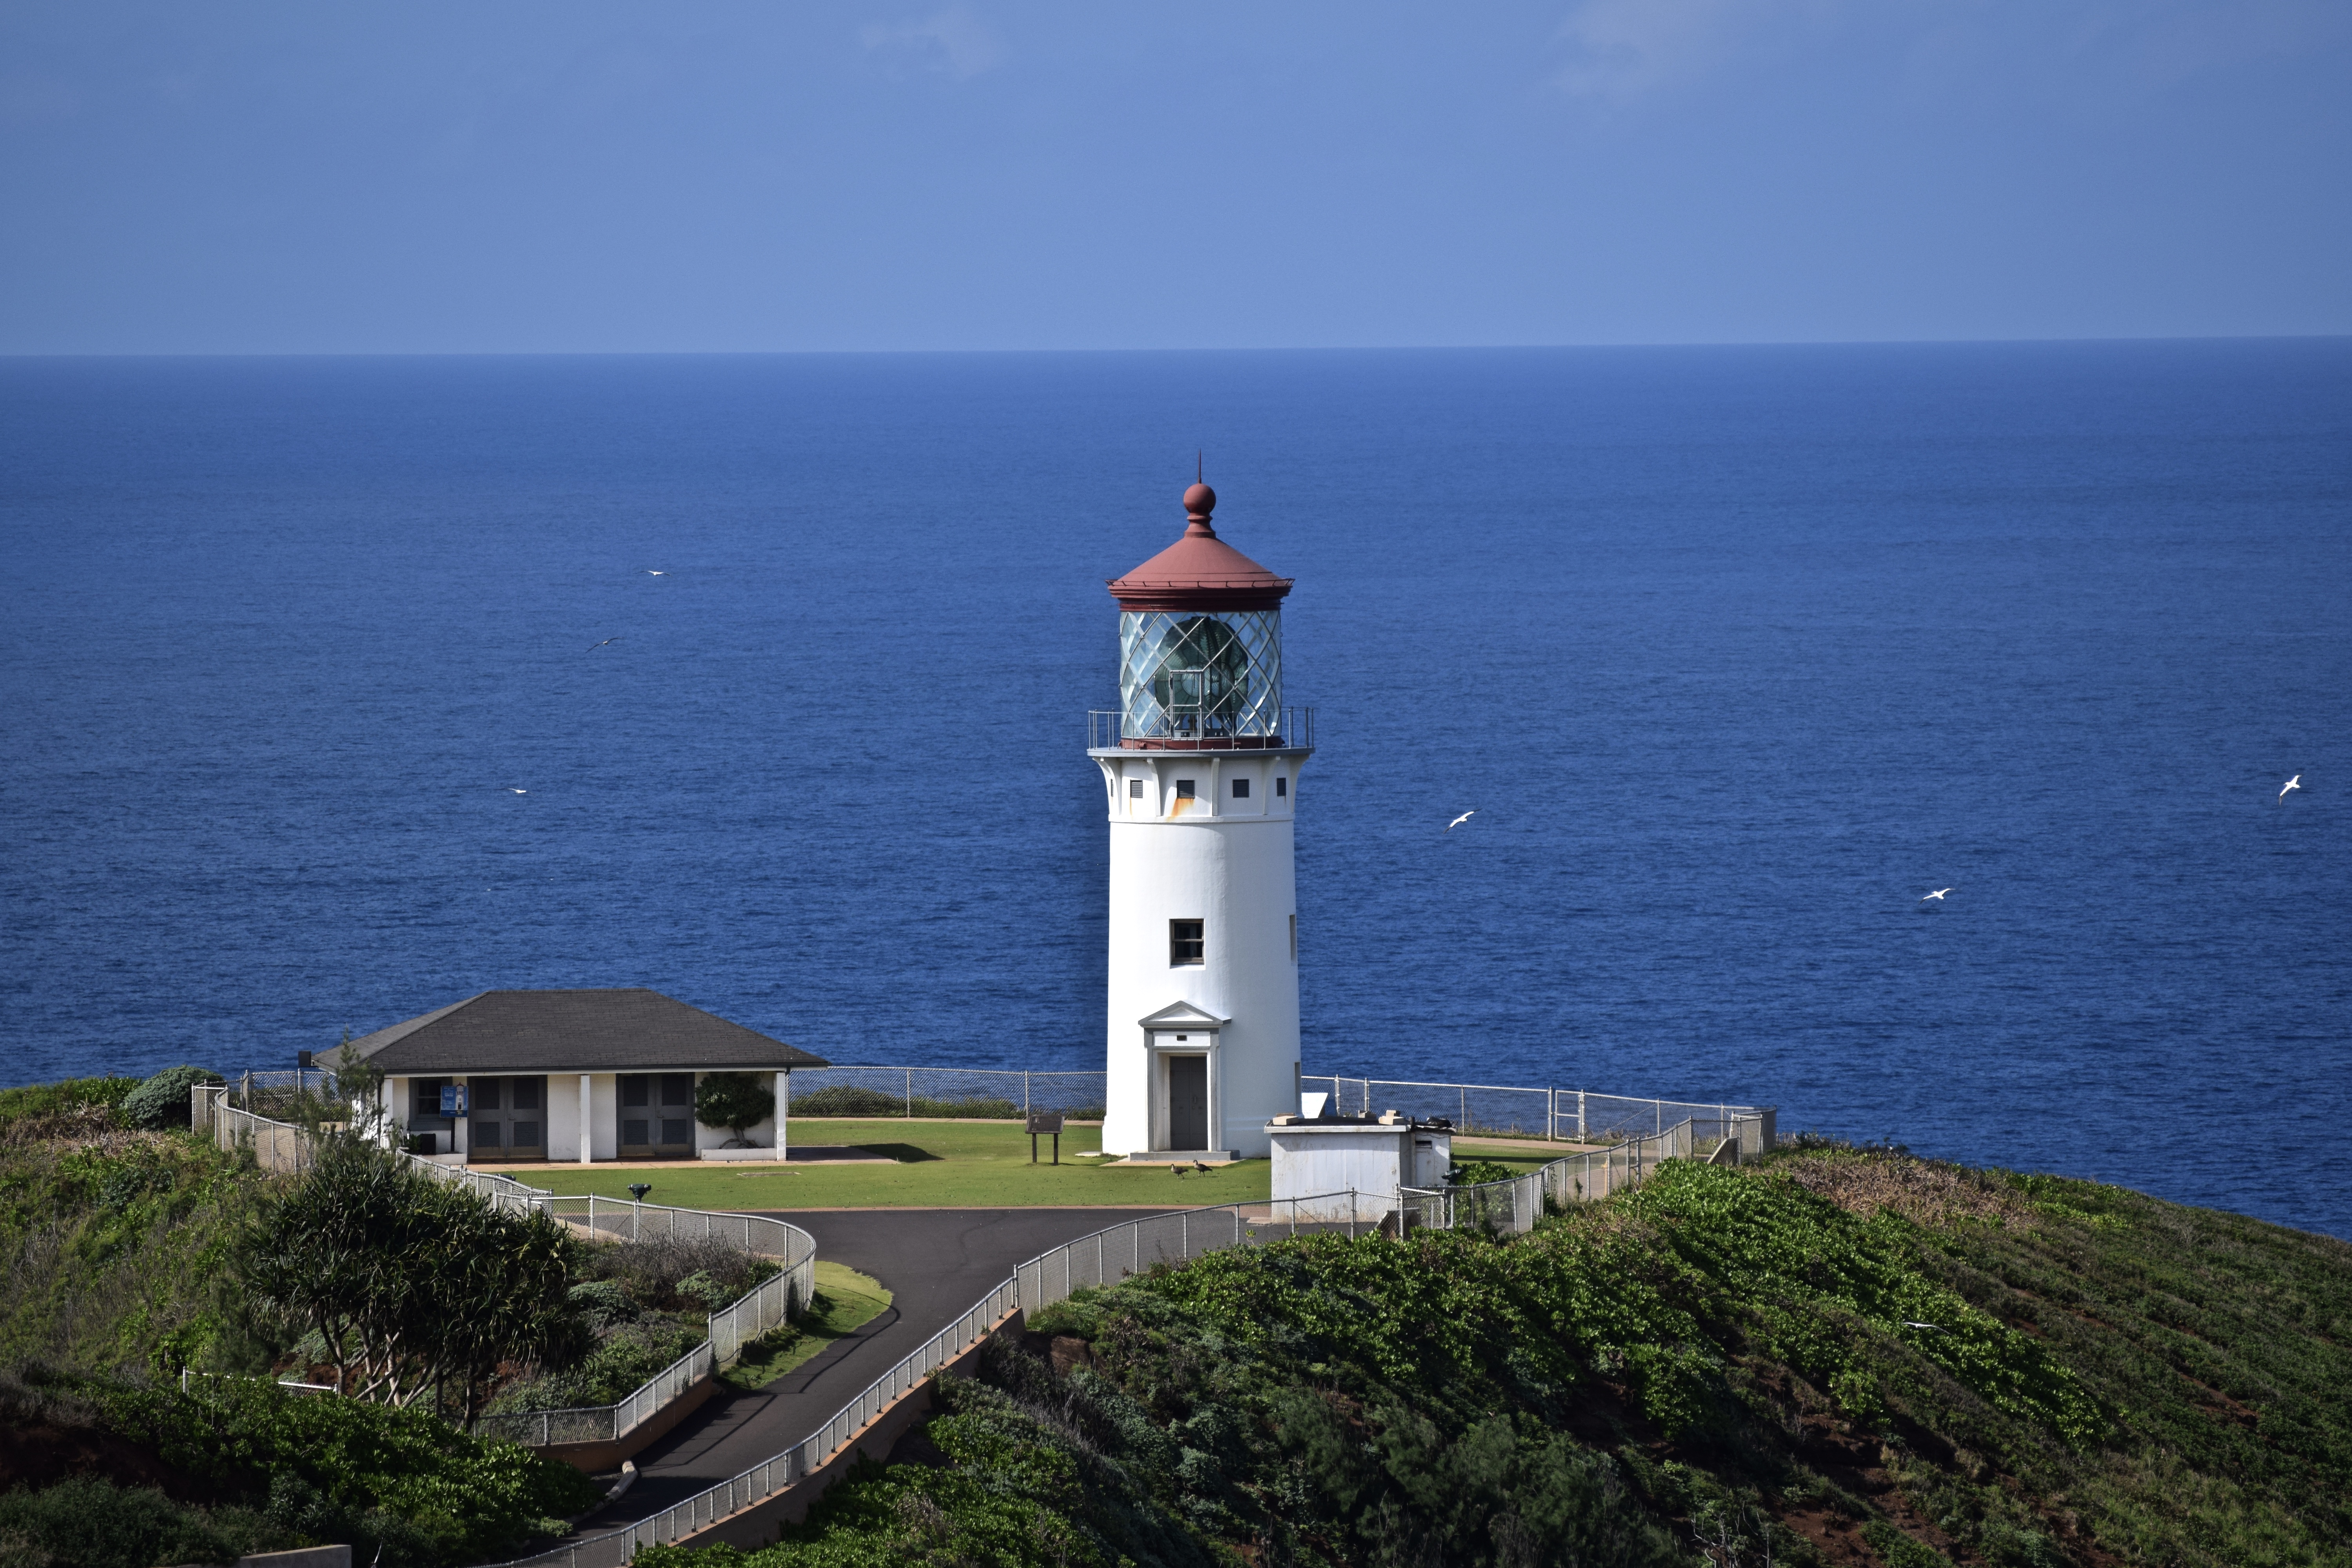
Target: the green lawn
(936, 1164)
(846, 1301)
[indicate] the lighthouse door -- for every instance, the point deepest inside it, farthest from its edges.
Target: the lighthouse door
(1188, 1102)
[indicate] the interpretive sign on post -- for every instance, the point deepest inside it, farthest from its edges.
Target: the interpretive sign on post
(1046, 1121)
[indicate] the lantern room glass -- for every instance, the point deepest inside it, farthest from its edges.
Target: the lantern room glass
(1202, 677)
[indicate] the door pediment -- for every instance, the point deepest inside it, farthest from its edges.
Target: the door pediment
(1184, 1016)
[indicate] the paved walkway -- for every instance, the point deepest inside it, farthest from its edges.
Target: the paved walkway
(936, 1262)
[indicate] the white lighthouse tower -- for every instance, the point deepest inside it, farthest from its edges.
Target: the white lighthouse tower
(1200, 769)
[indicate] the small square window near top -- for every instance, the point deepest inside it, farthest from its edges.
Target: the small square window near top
(1184, 789)
(1186, 944)
(1281, 788)
(1240, 789)
(1135, 789)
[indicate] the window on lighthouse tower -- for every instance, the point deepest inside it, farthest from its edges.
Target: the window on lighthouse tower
(1186, 944)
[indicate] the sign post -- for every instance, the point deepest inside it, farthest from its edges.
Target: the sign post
(1046, 1121)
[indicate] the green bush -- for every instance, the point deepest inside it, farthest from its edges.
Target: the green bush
(89, 1521)
(1477, 1172)
(340, 1470)
(162, 1100)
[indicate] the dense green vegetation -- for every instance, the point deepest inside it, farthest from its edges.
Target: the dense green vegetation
(131, 1254)
(1841, 1356)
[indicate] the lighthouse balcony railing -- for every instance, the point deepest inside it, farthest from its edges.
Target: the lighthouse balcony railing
(1179, 731)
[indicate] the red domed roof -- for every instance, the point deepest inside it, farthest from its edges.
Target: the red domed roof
(1199, 571)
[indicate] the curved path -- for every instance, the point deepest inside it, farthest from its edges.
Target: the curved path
(936, 1263)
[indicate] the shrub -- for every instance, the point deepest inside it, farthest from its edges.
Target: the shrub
(654, 1270)
(603, 1302)
(88, 1522)
(162, 1100)
(1477, 1172)
(401, 1481)
(734, 1100)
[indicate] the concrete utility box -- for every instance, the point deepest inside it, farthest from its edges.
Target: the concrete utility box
(1372, 1158)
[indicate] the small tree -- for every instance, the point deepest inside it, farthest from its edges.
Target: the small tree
(733, 1101)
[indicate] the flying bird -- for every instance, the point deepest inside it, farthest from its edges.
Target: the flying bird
(1938, 1328)
(1937, 895)
(1460, 820)
(518, 792)
(651, 573)
(2294, 783)
(594, 647)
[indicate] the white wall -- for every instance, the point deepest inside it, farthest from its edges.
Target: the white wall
(1230, 864)
(1368, 1159)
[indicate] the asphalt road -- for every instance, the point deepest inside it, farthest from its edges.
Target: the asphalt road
(936, 1262)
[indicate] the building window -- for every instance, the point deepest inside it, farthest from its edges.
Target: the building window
(1240, 789)
(1184, 789)
(1281, 788)
(1185, 943)
(1135, 789)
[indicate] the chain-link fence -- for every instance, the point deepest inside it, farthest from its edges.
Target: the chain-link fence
(1500, 1110)
(958, 1092)
(277, 1146)
(1513, 1205)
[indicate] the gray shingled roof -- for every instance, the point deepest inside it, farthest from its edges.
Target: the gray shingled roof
(622, 1030)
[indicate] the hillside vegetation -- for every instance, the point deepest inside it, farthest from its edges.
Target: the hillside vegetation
(132, 1252)
(1837, 1357)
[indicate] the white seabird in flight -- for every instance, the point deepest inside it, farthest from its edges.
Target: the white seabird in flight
(1937, 895)
(1461, 819)
(2294, 783)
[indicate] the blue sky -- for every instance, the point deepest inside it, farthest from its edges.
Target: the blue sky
(236, 177)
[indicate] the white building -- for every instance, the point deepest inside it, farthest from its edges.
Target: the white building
(1200, 769)
(1358, 1166)
(510, 1077)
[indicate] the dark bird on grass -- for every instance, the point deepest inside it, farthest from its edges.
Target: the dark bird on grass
(1200, 1167)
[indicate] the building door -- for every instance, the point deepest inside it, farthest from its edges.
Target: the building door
(1188, 1102)
(506, 1118)
(656, 1116)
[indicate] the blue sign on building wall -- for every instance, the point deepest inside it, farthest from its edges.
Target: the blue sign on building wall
(452, 1099)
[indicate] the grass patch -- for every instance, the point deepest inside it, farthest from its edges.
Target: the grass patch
(846, 1301)
(938, 1164)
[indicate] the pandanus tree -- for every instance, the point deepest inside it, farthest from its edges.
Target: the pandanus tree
(410, 1286)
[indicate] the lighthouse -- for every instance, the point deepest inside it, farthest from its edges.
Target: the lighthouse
(1200, 769)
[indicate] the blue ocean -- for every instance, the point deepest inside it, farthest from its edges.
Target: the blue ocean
(1735, 653)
